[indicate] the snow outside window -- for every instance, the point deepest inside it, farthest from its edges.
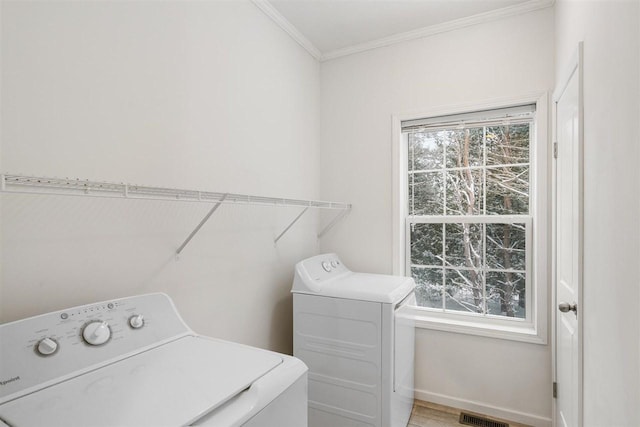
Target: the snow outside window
(468, 220)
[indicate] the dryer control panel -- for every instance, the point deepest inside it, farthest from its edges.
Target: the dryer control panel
(322, 267)
(40, 350)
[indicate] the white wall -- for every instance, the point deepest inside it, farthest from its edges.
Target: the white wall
(203, 95)
(504, 58)
(611, 211)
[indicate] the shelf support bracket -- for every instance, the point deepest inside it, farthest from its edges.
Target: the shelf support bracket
(337, 219)
(199, 226)
(291, 225)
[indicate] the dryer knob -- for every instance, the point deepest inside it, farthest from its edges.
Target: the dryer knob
(47, 346)
(136, 321)
(326, 266)
(96, 332)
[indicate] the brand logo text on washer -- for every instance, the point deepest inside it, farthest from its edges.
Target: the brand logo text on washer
(10, 380)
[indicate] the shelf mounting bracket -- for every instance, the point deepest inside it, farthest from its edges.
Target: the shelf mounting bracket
(329, 226)
(290, 225)
(199, 226)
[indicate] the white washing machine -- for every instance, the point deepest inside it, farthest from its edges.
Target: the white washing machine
(134, 362)
(353, 332)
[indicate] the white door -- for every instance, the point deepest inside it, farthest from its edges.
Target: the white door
(568, 232)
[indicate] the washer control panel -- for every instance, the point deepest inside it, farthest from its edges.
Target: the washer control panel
(42, 349)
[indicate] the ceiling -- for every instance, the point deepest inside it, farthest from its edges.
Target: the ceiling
(333, 27)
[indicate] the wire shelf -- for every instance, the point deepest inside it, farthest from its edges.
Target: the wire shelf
(25, 184)
(65, 186)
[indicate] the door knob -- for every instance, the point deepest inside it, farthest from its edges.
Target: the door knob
(565, 307)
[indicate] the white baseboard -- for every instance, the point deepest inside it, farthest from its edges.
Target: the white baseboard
(483, 408)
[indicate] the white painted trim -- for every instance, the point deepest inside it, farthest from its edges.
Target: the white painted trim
(398, 195)
(480, 18)
(574, 65)
(541, 163)
(489, 104)
(523, 332)
(553, 263)
(567, 73)
(288, 27)
(483, 408)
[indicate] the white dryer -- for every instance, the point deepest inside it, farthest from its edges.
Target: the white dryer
(353, 332)
(134, 362)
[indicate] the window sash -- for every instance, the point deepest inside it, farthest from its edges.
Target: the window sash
(468, 219)
(507, 165)
(479, 219)
(485, 168)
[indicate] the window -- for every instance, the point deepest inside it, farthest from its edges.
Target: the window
(469, 216)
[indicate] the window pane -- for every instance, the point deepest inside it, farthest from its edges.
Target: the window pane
(425, 151)
(428, 286)
(464, 147)
(464, 192)
(463, 244)
(426, 244)
(506, 245)
(507, 144)
(508, 190)
(464, 290)
(470, 169)
(506, 294)
(426, 193)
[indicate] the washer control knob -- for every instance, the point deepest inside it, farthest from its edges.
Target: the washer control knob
(334, 263)
(47, 346)
(96, 332)
(326, 266)
(136, 321)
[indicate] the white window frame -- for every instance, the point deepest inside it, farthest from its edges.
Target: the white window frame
(534, 329)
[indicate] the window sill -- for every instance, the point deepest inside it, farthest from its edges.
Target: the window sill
(523, 333)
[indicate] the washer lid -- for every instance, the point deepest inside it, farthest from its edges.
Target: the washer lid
(361, 286)
(171, 385)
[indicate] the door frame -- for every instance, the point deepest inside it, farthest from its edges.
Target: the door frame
(575, 65)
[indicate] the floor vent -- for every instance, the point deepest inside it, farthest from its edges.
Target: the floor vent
(479, 421)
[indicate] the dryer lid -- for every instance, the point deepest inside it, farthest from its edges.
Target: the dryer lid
(171, 385)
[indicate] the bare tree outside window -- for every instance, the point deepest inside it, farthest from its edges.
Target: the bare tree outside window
(468, 196)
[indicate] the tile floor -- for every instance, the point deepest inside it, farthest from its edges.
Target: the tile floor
(425, 414)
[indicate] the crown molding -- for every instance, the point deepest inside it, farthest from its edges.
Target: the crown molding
(529, 6)
(283, 23)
